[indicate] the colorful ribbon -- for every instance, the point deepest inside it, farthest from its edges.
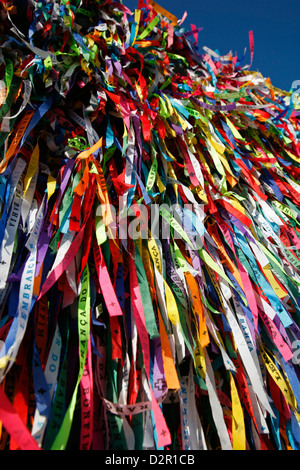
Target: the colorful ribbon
(149, 236)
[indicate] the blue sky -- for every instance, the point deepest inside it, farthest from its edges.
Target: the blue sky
(226, 25)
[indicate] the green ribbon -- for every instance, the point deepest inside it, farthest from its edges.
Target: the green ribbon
(79, 143)
(152, 175)
(145, 295)
(178, 57)
(8, 75)
(10, 97)
(62, 437)
(58, 407)
(149, 28)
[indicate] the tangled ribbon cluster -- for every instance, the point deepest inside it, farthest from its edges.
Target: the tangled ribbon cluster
(149, 236)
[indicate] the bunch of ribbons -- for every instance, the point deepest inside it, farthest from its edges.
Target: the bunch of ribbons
(149, 236)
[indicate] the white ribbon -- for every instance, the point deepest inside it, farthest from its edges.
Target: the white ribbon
(51, 373)
(247, 358)
(24, 308)
(7, 246)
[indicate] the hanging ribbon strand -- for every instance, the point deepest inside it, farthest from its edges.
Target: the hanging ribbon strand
(149, 236)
